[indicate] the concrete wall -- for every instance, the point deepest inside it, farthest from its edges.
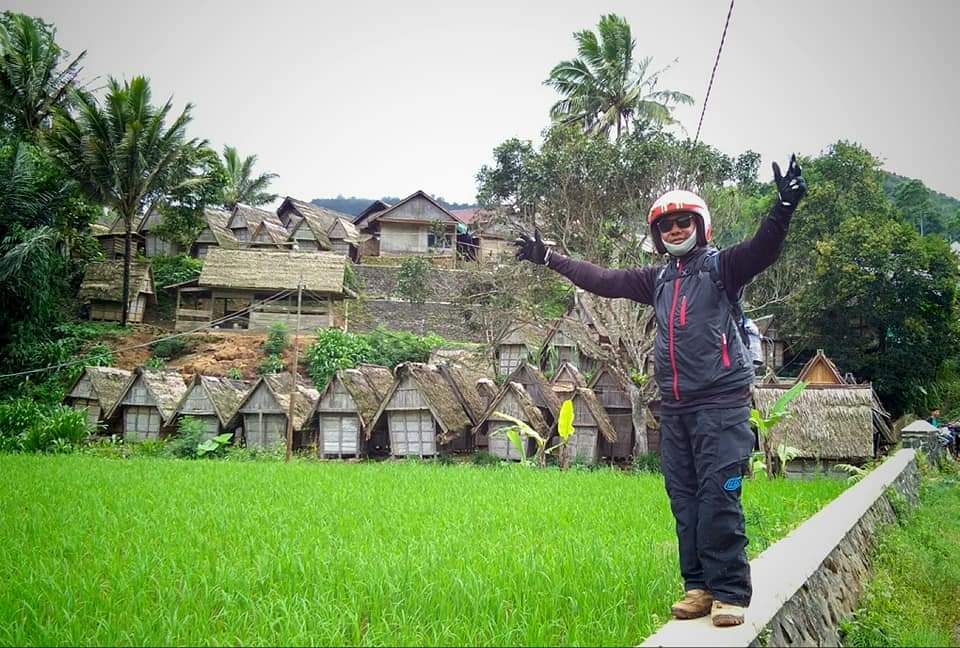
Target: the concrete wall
(804, 585)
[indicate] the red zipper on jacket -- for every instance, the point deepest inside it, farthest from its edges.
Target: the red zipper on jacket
(673, 309)
(724, 355)
(683, 311)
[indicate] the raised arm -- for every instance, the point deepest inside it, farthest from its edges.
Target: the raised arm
(744, 261)
(633, 283)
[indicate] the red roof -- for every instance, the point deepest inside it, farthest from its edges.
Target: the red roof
(465, 215)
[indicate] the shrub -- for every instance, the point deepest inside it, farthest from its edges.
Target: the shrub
(168, 270)
(234, 373)
(26, 426)
(335, 349)
(390, 348)
(184, 444)
(171, 348)
(647, 462)
(155, 362)
(270, 365)
(16, 417)
(412, 279)
(277, 339)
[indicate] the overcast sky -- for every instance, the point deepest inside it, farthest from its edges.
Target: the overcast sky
(381, 98)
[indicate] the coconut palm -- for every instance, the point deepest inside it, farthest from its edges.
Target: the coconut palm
(603, 88)
(122, 153)
(241, 186)
(32, 83)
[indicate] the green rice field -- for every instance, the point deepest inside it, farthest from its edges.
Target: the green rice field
(157, 551)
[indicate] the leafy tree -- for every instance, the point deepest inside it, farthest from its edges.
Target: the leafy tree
(912, 198)
(181, 203)
(604, 89)
(412, 279)
(241, 186)
(122, 153)
(33, 81)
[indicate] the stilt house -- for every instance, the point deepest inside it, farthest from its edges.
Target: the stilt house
(148, 403)
(611, 387)
(346, 408)
(265, 407)
(214, 401)
(102, 290)
(425, 412)
(97, 390)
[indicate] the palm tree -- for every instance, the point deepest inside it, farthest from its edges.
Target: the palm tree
(603, 88)
(241, 187)
(32, 83)
(122, 154)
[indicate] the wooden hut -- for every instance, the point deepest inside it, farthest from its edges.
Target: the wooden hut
(346, 408)
(518, 342)
(271, 236)
(592, 427)
(538, 388)
(236, 283)
(214, 234)
(425, 413)
(513, 400)
(112, 236)
(611, 387)
(214, 401)
(244, 219)
(417, 225)
(266, 405)
(771, 342)
(568, 376)
(831, 420)
(97, 390)
(153, 243)
(148, 403)
(573, 341)
(102, 290)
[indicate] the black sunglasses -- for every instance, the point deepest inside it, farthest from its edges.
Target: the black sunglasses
(665, 225)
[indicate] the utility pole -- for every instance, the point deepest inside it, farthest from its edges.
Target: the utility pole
(293, 375)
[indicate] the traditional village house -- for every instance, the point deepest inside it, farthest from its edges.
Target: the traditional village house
(592, 427)
(611, 387)
(417, 225)
(153, 245)
(266, 405)
(244, 220)
(148, 403)
(317, 220)
(102, 290)
(514, 401)
(346, 408)
(519, 341)
(920, 434)
(268, 234)
(112, 239)
(215, 402)
(214, 234)
(831, 421)
(245, 284)
(425, 413)
(573, 341)
(538, 388)
(568, 377)
(371, 244)
(97, 390)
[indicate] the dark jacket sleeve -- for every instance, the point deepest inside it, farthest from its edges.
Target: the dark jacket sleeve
(742, 262)
(634, 283)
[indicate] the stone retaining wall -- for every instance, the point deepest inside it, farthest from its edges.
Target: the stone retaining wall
(443, 319)
(806, 583)
(381, 282)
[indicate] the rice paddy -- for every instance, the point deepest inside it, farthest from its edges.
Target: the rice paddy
(155, 551)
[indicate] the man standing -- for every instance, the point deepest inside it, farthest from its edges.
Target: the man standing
(704, 371)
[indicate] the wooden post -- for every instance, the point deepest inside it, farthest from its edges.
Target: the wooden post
(293, 375)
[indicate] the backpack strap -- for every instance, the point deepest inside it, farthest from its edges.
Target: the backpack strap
(711, 263)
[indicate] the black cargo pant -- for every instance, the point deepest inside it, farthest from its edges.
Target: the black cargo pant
(704, 455)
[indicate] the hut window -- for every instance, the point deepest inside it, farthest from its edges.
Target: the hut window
(340, 434)
(510, 357)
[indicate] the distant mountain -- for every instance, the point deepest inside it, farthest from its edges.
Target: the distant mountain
(354, 205)
(944, 203)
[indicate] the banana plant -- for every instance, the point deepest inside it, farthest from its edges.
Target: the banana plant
(517, 433)
(766, 423)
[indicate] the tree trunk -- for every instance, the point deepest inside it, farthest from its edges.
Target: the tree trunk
(128, 225)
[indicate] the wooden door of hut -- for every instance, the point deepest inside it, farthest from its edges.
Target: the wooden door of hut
(141, 423)
(197, 405)
(264, 420)
(413, 433)
(337, 422)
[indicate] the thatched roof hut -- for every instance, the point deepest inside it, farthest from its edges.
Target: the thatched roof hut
(265, 407)
(245, 218)
(820, 370)
(612, 388)
(215, 233)
(591, 426)
(575, 342)
(513, 400)
(568, 374)
(538, 387)
(97, 390)
(476, 361)
(102, 289)
(516, 343)
(148, 402)
(346, 407)
(464, 383)
(270, 235)
(424, 411)
(215, 401)
(830, 424)
(273, 271)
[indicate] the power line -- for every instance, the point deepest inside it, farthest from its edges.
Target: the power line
(712, 74)
(206, 325)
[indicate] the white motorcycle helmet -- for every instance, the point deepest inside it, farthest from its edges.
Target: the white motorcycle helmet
(675, 201)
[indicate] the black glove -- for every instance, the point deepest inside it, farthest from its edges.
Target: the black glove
(531, 248)
(791, 188)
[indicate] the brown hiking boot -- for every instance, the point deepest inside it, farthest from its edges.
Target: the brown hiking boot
(695, 604)
(726, 614)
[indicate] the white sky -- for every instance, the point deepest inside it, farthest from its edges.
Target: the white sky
(374, 98)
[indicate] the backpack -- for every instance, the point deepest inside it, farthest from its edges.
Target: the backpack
(749, 332)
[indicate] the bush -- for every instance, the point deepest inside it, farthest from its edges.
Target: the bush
(184, 444)
(26, 426)
(647, 462)
(270, 365)
(168, 270)
(482, 458)
(234, 373)
(390, 348)
(412, 279)
(171, 348)
(277, 339)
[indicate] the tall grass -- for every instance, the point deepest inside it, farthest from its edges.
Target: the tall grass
(149, 551)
